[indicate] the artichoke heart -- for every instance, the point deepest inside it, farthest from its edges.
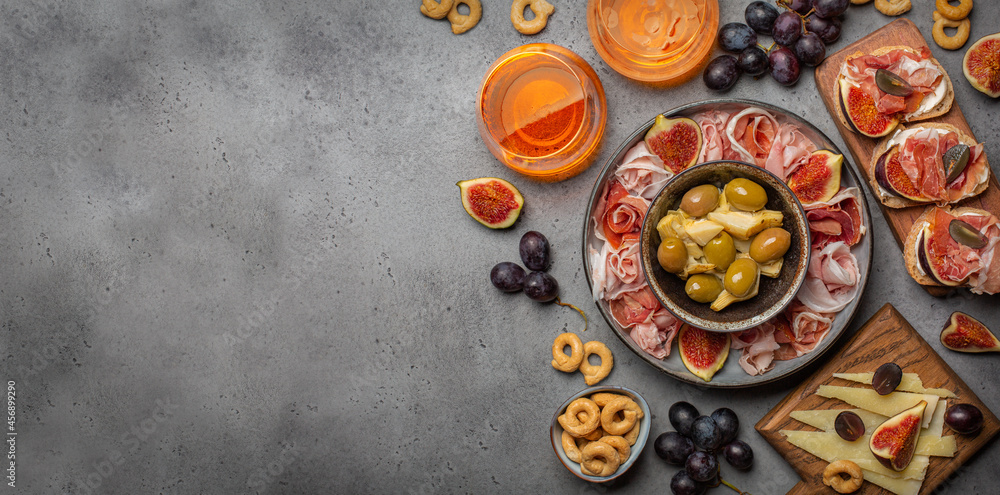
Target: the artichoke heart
(770, 269)
(695, 268)
(744, 224)
(702, 231)
(672, 225)
(725, 298)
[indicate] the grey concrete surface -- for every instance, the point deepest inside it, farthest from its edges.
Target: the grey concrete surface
(233, 257)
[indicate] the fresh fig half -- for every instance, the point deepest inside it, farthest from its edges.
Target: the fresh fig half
(981, 65)
(890, 176)
(930, 260)
(964, 333)
(493, 202)
(818, 179)
(894, 441)
(702, 352)
(677, 142)
(859, 110)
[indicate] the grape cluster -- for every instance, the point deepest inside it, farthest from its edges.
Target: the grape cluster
(538, 285)
(800, 35)
(695, 445)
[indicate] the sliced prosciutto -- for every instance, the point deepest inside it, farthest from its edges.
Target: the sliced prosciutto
(955, 262)
(623, 213)
(715, 144)
(806, 331)
(914, 67)
(757, 345)
(836, 220)
(921, 156)
(789, 150)
(751, 133)
(640, 175)
(832, 279)
(656, 333)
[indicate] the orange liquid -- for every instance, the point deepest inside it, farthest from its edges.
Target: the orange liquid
(653, 27)
(541, 112)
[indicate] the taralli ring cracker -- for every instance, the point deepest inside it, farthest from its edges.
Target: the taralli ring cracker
(950, 42)
(609, 421)
(570, 421)
(620, 444)
(595, 435)
(603, 398)
(600, 458)
(594, 374)
(832, 476)
(542, 10)
(462, 23)
(560, 360)
(954, 12)
(569, 447)
(633, 434)
(436, 10)
(893, 7)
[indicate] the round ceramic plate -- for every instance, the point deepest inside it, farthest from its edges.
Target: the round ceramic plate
(732, 375)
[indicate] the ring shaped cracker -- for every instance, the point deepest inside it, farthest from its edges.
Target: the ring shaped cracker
(569, 447)
(570, 420)
(620, 444)
(832, 478)
(595, 435)
(436, 10)
(560, 360)
(893, 7)
(950, 42)
(462, 23)
(954, 12)
(633, 434)
(542, 10)
(602, 398)
(594, 374)
(610, 422)
(600, 458)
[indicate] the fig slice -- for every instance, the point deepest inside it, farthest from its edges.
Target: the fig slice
(966, 234)
(890, 176)
(892, 84)
(964, 333)
(981, 65)
(955, 161)
(860, 112)
(929, 262)
(677, 142)
(702, 352)
(894, 441)
(493, 202)
(818, 179)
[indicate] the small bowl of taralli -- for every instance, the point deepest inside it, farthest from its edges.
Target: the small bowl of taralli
(599, 432)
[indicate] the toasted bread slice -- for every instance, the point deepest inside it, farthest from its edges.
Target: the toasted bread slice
(910, 248)
(900, 202)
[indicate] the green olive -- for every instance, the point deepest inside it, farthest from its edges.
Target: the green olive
(745, 194)
(740, 277)
(720, 251)
(700, 200)
(672, 255)
(770, 244)
(703, 288)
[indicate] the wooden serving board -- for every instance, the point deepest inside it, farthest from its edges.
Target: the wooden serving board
(886, 337)
(898, 32)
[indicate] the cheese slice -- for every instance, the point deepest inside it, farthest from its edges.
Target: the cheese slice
(830, 447)
(937, 446)
(937, 421)
(894, 485)
(886, 405)
(911, 382)
(927, 445)
(824, 419)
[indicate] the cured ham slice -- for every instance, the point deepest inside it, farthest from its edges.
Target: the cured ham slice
(789, 150)
(806, 331)
(634, 307)
(758, 346)
(640, 175)
(750, 133)
(623, 213)
(715, 143)
(831, 280)
(656, 334)
(957, 262)
(913, 66)
(838, 219)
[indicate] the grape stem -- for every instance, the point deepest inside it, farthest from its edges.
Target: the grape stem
(737, 490)
(578, 310)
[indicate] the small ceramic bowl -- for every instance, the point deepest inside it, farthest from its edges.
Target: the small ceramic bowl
(774, 293)
(556, 431)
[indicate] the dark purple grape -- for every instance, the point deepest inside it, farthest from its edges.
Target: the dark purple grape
(682, 415)
(830, 8)
(507, 276)
(682, 484)
(728, 423)
(810, 50)
(787, 28)
(541, 286)
(753, 61)
(721, 73)
(964, 418)
(828, 30)
(784, 66)
(534, 250)
(886, 378)
(736, 36)
(701, 466)
(738, 454)
(760, 16)
(706, 434)
(673, 447)
(849, 426)
(800, 6)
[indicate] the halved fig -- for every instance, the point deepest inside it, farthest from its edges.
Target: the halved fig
(964, 333)
(930, 261)
(818, 179)
(702, 352)
(894, 441)
(892, 84)
(493, 202)
(981, 65)
(677, 142)
(860, 112)
(890, 176)
(966, 234)
(955, 161)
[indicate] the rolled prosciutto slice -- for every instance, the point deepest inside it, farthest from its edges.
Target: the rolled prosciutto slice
(715, 145)
(751, 133)
(831, 280)
(789, 150)
(836, 220)
(623, 213)
(656, 333)
(806, 331)
(639, 175)
(757, 345)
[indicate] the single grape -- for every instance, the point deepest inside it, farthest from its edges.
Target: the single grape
(760, 16)
(682, 415)
(706, 434)
(728, 423)
(810, 50)
(541, 286)
(964, 418)
(682, 484)
(534, 250)
(673, 447)
(721, 73)
(507, 276)
(701, 466)
(738, 454)
(849, 426)
(886, 378)
(800, 6)
(753, 61)
(736, 36)
(784, 66)
(827, 29)
(787, 28)
(830, 8)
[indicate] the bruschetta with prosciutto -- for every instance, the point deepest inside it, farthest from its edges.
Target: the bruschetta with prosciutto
(955, 248)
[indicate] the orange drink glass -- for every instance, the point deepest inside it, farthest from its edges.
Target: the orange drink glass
(542, 111)
(660, 41)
